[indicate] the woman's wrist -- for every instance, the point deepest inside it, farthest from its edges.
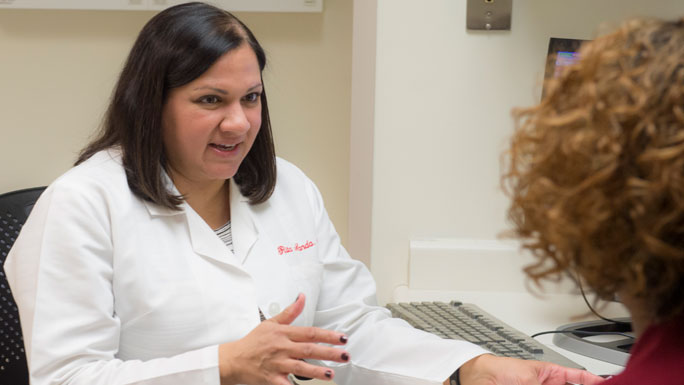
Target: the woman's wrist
(470, 368)
(226, 372)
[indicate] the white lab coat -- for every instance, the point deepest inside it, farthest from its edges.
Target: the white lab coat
(112, 289)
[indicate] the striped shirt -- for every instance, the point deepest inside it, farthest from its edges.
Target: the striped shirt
(226, 235)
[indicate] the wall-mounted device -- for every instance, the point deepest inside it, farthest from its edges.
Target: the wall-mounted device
(489, 14)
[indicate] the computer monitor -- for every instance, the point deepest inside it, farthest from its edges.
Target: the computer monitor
(561, 53)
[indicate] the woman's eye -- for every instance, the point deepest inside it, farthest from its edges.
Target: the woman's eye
(253, 97)
(209, 99)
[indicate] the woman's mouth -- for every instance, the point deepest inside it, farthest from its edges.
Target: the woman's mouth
(223, 147)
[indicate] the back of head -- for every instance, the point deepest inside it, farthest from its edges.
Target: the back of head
(175, 47)
(596, 170)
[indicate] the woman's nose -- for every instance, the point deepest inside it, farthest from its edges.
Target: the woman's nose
(234, 119)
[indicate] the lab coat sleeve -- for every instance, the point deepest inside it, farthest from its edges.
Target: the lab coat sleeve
(384, 350)
(60, 271)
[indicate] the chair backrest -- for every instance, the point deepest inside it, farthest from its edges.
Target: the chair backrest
(14, 209)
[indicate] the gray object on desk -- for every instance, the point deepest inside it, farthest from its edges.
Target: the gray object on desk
(616, 351)
(470, 323)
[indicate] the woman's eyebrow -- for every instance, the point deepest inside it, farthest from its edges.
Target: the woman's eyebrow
(259, 85)
(224, 92)
(219, 90)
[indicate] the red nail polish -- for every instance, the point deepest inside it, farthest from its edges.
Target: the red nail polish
(328, 373)
(345, 357)
(343, 339)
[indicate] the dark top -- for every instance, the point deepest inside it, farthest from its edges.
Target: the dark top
(657, 357)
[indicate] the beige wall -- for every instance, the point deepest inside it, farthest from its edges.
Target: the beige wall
(361, 130)
(57, 69)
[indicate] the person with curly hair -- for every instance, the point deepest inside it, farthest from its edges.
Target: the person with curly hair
(595, 173)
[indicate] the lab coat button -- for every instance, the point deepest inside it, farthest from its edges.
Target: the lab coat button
(273, 309)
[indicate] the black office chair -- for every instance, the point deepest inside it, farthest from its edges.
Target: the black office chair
(14, 209)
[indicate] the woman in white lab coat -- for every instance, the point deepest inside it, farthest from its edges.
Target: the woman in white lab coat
(157, 258)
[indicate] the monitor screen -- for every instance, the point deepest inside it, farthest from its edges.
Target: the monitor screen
(561, 52)
(564, 58)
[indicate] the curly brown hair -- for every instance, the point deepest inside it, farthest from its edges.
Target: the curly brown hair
(595, 171)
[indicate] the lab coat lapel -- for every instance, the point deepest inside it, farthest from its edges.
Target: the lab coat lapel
(204, 240)
(245, 233)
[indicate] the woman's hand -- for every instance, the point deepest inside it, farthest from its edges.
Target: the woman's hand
(491, 370)
(275, 349)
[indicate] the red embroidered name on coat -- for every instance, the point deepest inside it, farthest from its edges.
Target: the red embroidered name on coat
(297, 247)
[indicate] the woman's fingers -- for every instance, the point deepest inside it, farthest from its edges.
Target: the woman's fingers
(306, 334)
(275, 348)
(318, 352)
(562, 375)
(305, 369)
(313, 334)
(291, 312)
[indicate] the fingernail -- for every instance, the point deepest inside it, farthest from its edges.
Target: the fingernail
(328, 373)
(343, 339)
(297, 297)
(345, 357)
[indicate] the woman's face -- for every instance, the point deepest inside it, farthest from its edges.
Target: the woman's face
(209, 124)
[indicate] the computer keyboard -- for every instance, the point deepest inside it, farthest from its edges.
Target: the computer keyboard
(456, 320)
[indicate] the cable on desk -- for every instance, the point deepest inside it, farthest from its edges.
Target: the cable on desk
(579, 283)
(583, 333)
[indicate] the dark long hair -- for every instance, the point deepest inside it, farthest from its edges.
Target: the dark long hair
(175, 47)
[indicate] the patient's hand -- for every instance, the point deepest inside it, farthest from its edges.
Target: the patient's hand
(488, 369)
